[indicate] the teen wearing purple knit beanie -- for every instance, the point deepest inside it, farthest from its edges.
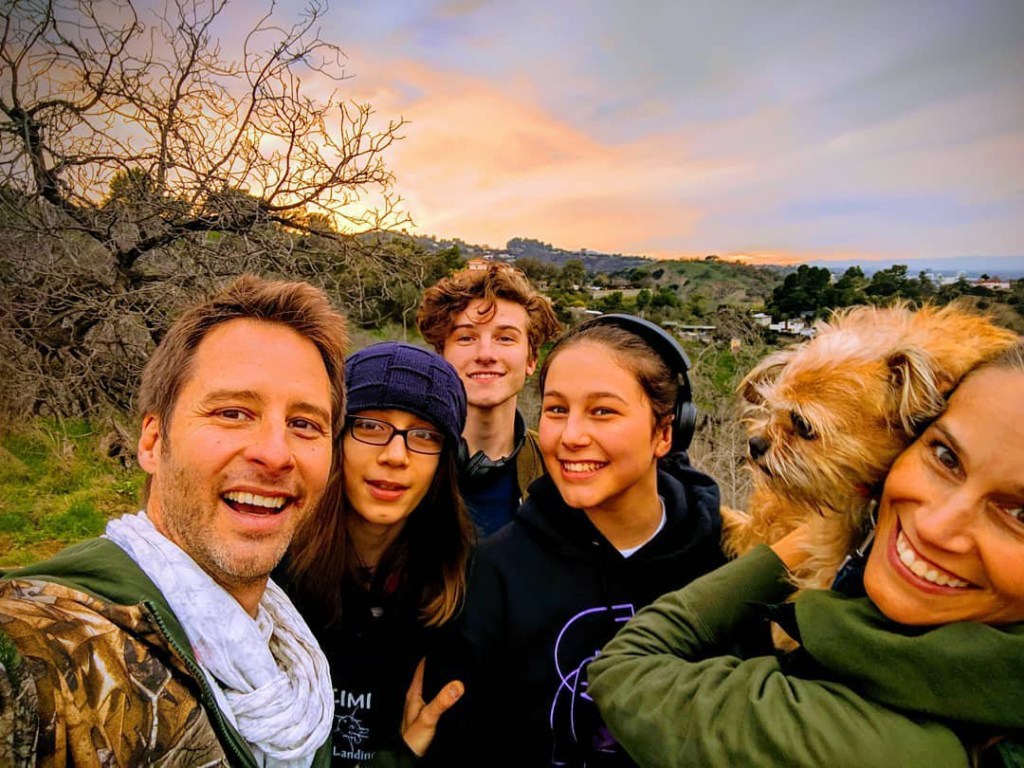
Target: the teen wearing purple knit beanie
(381, 566)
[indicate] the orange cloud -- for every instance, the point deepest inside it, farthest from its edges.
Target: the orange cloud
(486, 165)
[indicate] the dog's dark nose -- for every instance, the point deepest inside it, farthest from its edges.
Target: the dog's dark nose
(758, 447)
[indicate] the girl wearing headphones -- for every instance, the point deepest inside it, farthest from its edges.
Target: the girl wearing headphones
(602, 535)
(381, 563)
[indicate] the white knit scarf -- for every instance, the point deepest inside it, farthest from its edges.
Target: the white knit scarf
(269, 675)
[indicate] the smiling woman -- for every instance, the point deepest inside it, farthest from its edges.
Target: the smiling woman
(950, 540)
(618, 520)
(922, 670)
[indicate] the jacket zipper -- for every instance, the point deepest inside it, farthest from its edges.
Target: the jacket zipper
(200, 677)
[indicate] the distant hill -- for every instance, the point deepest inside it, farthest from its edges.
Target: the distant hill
(593, 261)
(711, 290)
(526, 248)
(717, 283)
(1006, 267)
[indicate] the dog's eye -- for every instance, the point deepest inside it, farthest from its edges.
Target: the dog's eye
(805, 430)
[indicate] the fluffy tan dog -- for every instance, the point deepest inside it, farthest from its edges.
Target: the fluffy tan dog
(826, 418)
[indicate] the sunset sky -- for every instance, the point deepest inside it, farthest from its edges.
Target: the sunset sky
(779, 130)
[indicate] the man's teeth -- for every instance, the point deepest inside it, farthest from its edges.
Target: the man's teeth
(582, 466)
(485, 375)
(924, 569)
(255, 500)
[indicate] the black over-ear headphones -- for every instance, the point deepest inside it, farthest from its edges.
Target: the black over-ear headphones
(668, 348)
(479, 465)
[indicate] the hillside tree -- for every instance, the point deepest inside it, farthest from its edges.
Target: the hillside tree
(572, 276)
(893, 283)
(539, 272)
(141, 162)
(807, 289)
(849, 288)
(643, 300)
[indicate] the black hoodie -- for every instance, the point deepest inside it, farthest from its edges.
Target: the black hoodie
(546, 592)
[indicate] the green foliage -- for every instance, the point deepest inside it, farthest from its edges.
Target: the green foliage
(613, 302)
(643, 299)
(444, 263)
(893, 283)
(664, 297)
(538, 271)
(702, 287)
(524, 248)
(80, 520)
(1016, 298)
(572, 276)
(850, 288)
(13, 521)
(58, 486)
(132, 187)
(809, 290)
(721, 369)
(641, 277)
(805, 290)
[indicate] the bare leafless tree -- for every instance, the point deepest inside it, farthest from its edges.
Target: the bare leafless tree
(140, 162)
(92, 94)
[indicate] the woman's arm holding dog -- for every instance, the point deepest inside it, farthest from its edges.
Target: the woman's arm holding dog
(791, 548)
(670, 697)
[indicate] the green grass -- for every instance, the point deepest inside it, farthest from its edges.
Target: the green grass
(57, 487)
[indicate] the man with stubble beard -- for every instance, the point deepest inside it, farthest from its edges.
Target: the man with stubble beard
(164, 640)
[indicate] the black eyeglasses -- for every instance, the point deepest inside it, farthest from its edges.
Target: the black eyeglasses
(377, 432)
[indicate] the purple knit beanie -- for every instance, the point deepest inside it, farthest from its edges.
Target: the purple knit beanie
(407, 378)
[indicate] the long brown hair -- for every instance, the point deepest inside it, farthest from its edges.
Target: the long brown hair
(428, 556)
